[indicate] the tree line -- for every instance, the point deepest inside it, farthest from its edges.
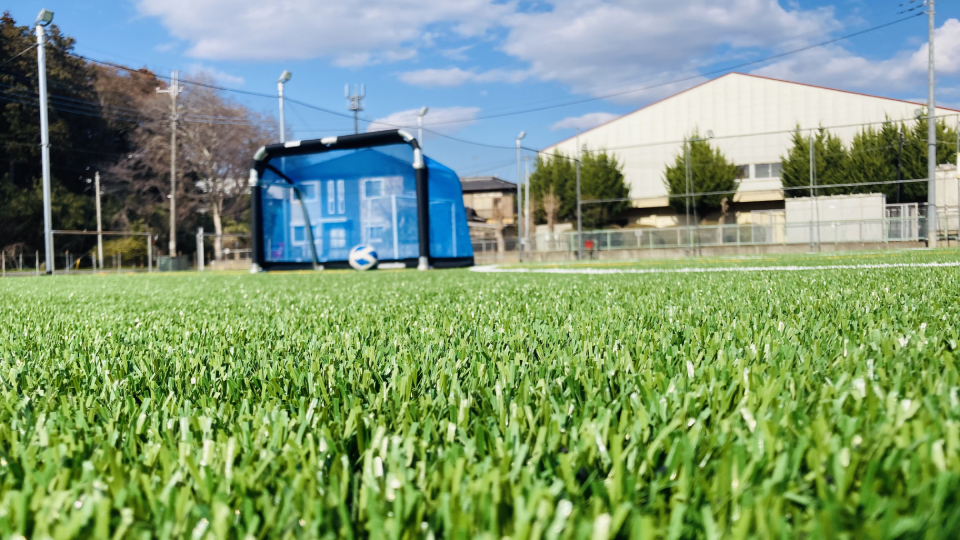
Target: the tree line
(893, 151)
(111, 120)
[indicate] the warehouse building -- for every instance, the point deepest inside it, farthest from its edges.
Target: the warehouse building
(751, 119)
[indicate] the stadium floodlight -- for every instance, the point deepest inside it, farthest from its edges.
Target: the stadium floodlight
(284, 77)
(423, 112)
(44, 18)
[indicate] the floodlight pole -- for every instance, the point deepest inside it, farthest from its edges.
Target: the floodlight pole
(41, 22)
(420, 115)
(284, 77)
(174, 90)
(96, 184)
(519, 220)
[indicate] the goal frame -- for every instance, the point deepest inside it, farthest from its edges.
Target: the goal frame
(261, 164)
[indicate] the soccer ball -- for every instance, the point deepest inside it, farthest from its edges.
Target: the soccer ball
(363, 257)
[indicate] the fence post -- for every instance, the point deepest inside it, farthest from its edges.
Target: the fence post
(200, 254)
(36, 261)
(3, 262)
(149, 252)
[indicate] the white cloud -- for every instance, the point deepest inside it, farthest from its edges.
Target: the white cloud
(838, 68)
(435, 120)
(458, 53)
(595, 46)
(351, 32)
(585, 122)
(200, 71)
(456, 76)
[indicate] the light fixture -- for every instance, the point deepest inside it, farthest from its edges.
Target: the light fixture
(709, 133)
(285, 76)
(521, 135)
(44, 18)
(918, 113)
(423, 112)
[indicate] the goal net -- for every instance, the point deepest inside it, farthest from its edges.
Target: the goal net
(313, 201)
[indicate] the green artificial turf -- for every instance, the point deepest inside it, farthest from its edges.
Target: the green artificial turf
(455, 404)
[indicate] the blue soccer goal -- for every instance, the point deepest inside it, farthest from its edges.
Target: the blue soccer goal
(313, 201)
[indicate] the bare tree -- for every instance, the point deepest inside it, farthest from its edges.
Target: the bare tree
(216, 141)
(219, 140)
(551, 206)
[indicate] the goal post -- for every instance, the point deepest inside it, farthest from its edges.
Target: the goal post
(315, 200)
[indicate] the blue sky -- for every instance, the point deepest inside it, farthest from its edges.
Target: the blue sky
(468, 59)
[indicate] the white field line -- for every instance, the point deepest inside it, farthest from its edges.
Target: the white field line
(706, 270)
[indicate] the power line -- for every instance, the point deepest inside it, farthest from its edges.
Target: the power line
(534, 109)
(688, 78)
(12, 58)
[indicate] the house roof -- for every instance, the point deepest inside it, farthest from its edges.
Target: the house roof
(480, 184)
(735, 73)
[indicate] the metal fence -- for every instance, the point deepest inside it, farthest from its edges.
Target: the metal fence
(866, 232)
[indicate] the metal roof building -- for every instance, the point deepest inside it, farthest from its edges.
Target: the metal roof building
(752, 119)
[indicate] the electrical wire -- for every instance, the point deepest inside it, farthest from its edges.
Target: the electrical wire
(533, 109)
(12, 58)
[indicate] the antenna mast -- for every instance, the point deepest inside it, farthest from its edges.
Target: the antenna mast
(355, 103)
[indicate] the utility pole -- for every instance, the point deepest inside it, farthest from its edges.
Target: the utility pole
(900, 164)
(96, 184)
(520, 199)
(43, 19)
(355, 103)
(526, 201)
(686, 188)
(814, 210)
(284, 77)
(931, 135)
(174, 90)
(579, 203)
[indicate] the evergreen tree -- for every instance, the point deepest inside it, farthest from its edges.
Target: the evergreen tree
(710, 171)
(553, 188)
(601, 178)
(915, 156)
(870, 161)
(830, 164)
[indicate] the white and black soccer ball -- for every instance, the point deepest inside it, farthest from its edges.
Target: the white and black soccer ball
(363, 257)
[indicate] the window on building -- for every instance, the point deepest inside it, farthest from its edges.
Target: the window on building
(743, 171)
(331, 198)
(768, 170)
(341, 198)
(338, 238)
(373, 188)
(375, 234)
(309, 190)
(299, 234)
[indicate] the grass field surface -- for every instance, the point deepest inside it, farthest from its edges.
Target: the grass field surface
(458, 404)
